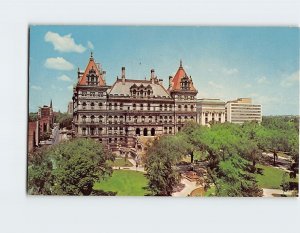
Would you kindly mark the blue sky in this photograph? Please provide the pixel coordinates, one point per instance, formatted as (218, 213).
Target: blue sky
(224, 62)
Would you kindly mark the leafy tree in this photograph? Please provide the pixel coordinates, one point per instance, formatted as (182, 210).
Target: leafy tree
(33, 116)
(69, 168)
(232, 178)
(285, 182)
(160, 163)
(64, 120)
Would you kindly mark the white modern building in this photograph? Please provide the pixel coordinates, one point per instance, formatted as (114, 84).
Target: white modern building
(210, 110)
(243, 110)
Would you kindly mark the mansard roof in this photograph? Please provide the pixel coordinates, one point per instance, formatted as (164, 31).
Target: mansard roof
(124, 88)
(92, 66)
(180, 74)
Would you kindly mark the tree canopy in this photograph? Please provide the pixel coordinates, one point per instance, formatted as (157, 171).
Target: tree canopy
(69, 168)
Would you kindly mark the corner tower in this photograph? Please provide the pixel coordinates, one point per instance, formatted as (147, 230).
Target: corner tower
(182, 90)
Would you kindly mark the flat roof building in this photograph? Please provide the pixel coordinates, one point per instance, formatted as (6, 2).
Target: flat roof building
(242, 110)
(210, 110)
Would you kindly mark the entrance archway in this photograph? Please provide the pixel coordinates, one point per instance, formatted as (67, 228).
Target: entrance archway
(152, 132)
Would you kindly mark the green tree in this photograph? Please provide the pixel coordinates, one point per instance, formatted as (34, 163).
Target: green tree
(285, 182)
(232, 178)
(160, 162)
(69, 168)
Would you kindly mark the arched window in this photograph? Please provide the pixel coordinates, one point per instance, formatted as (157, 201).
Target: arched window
(121, 106)
(92, 119)
(92, 105)
(116, 106)
(100, 105)
(185, 107)
(134, 106)
(138, 131)
(142, 106)
(84, 119)
(109, 106)
(83, 131)
(148, 106)
(179, 107)
(145, 132)
(149, 92)
(152, 132)
(84, 105)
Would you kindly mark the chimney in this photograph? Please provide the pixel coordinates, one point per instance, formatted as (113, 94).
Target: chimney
(123, 75)
(78, 74)
(152, 77)
(170, 81)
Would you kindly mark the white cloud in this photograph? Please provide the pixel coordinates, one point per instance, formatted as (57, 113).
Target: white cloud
(90, 45)
(215, 85)
(64, 78)
(230, 71)
(248, 85)
(262, 80)
(37, 88)
(63, 43)
(291, 80)
(58, 63)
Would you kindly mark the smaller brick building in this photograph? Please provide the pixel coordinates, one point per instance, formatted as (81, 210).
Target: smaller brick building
(33, 135)
(46, 118)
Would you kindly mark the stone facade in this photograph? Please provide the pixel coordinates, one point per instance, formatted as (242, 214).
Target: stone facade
(117, 115)
(210, 110)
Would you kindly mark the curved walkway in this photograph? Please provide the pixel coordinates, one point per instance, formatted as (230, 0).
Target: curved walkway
(269, 192)
(188, 188)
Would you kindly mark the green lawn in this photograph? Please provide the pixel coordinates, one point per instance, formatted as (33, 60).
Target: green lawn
(125, 183)
(271, 177)
(120, 162)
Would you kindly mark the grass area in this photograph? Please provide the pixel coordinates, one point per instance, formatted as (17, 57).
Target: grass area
(125, 183)
(271, 177)
(120, 162)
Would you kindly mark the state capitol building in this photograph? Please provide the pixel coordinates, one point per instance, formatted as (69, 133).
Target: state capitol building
(118, 114)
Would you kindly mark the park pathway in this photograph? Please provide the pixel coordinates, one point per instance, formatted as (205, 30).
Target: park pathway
(188, 188)
(269, 192)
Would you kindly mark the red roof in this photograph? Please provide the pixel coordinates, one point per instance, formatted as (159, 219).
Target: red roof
(91, 64)
(177, 79)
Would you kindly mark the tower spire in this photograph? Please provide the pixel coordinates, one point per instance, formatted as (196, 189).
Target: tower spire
(180, 63)
(51, 103)
(91, 58)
